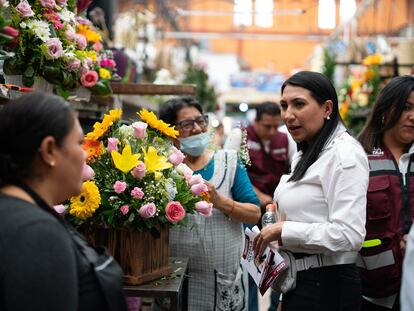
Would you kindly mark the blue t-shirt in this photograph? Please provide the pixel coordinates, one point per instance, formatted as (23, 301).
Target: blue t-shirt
(242, 189)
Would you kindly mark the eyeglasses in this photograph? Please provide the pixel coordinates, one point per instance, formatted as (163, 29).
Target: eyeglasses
(188, 125)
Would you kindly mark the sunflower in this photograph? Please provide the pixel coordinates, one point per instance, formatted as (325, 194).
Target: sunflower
(152, 120)
(85, 204)
(101, 128)
(90, 35)
(93, 148)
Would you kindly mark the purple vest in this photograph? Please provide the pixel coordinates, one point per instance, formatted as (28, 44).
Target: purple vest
(389, 214)
(267, 168)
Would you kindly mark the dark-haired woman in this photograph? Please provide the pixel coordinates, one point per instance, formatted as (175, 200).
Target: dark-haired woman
(44, 263)
(388, 138)
(214, 244)
(322, 202)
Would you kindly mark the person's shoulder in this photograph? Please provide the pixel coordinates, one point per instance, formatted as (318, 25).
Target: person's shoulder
(348, 150)
(17, 214)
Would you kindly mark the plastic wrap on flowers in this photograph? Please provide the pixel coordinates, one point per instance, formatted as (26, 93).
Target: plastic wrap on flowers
(139, 188)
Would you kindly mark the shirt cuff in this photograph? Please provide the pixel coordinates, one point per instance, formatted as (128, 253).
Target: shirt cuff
(293, 233)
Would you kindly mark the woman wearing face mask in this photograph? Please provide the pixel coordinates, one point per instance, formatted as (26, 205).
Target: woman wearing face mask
(214, 244)
(322, 202)
(388, 138)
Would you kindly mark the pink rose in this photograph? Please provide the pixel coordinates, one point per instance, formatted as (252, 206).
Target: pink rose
(139, 129)
(124, 209)
(119, 186)
(204, 208)
(80, 41)
(89, 79)
(24, 9)
(174, 212)
(147, 210)
(198, 189)
(195, 179)
(176, 157)
(183, 169)
(70, 35)
(137, 193)
(112, 144)
(60, 209)
(54, 48)
(62, 2)
(107, 62)
(97, 46)
(87, 172)
(51, 4)
(73, 64)
(139, 171)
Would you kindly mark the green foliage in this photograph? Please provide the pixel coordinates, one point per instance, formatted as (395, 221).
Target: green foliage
(329, 60)
(205, 93)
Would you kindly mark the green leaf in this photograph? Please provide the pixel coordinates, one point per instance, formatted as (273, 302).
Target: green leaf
(101, 88)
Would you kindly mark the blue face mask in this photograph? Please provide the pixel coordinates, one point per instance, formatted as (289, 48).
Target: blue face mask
(194, 145)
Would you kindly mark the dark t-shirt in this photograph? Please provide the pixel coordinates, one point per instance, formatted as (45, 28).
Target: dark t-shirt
(40, 268)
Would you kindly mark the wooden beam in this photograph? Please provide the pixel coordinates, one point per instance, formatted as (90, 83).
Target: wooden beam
(153, 89)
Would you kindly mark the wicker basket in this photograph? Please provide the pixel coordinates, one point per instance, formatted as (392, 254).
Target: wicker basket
(142, 257)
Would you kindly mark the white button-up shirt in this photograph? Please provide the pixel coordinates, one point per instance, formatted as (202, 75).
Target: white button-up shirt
(325, 210)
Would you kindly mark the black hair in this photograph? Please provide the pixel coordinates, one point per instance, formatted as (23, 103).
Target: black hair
(321, 89)
(25, 122)
(169, 110)
(386, 111)
(268, 107)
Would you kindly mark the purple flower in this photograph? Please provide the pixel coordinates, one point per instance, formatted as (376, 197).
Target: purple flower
(80, 41)
(54, 48)
(124, 209)
(139, 129)
(24, 9)
(139, 171)
(176, 157)
(119, 186)
(73, 64)
(112, 144)
(147, 210)
(51, 4)
(137, 193)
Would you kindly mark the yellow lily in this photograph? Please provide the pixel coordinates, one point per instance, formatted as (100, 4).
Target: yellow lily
(154, 162)
(125, 161)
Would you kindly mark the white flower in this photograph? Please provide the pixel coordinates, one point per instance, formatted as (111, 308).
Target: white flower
(67, 16)
(171, 189)
(40, 29)
(126, 131)
(23, 25)
(183, 169)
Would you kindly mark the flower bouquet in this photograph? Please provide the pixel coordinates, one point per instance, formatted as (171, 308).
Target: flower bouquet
(138, 180)
(57, 45)
(138, 187)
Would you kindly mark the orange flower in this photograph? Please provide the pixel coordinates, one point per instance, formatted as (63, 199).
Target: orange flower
(93, 149)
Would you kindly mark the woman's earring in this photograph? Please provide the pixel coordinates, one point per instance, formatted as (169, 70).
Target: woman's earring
(382, 120)
(52, 164)
(328, 118)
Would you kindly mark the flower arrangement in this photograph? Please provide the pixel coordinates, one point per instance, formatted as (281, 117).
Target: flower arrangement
(359, 93)
(137, 178)
(59, 46)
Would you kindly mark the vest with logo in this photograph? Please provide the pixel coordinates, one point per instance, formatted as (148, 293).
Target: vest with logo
(389, 217)
(267, 167)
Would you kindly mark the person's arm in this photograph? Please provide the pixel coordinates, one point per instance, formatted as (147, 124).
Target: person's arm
(244, 206)
(263, 197)
(41, 270)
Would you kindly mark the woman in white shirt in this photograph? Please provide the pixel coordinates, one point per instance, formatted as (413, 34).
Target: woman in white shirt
(322, 202)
